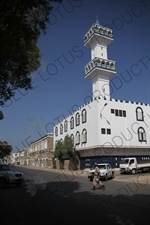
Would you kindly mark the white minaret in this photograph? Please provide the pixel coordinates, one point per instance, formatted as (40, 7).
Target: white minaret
(100, 68)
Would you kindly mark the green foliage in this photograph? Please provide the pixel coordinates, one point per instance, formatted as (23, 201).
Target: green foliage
(74, 162)
(54, 163)
(21, 24)
(1, 115)
(59, 150)
(5, 149)
(59, 153)
(68, 146)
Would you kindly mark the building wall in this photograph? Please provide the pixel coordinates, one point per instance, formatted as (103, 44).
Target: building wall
(123, 138)
(123, 129)
(40, 152)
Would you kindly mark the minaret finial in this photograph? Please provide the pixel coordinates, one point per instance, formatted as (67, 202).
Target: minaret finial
(97, 21)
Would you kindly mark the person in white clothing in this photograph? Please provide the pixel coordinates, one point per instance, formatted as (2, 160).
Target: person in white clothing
(96, 179)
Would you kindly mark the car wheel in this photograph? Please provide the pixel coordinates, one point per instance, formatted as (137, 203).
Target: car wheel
(3, 182)
(91, 179)
(133, 171)
(106, 177)
(18, 184)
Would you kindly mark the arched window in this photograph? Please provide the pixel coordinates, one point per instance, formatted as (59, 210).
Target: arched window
(101, 30)
(84, 116)
(103, 64)
(77, 138)
(141, 134)
(109, 33)
(139, 114)
(72, 123)
(77, 118)
(65, 125)
(61, 129)
(72, 136)
(84, 136)
(105, 32)
(56, 131)
(108, 65)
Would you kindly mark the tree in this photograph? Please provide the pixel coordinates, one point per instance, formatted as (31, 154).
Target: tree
(5, 149)
(21, 24)
(66, 148)
(70, 151)
(1, 115)
(59, 153)
(69, 146)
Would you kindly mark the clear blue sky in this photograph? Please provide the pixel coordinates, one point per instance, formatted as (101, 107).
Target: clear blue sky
(59, 83)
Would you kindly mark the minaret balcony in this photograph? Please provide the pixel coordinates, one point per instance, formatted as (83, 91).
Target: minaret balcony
(108, 67)
(98, 31)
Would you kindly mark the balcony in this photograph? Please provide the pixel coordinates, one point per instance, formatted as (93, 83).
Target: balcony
(108, 66)
(98, 30)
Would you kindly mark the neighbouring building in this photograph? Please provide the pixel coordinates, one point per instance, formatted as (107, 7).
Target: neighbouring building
(13, 158)
(23, 157)
(40, 152)
(105, 129)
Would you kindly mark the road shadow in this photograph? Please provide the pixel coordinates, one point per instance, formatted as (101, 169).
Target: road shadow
(63, 202)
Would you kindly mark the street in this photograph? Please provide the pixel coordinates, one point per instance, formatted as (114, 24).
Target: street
(48, 197)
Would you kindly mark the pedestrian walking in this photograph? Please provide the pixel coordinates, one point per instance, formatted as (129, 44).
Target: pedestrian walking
(96, 178)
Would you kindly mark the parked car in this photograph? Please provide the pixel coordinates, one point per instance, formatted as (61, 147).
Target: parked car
(105, 171)
(8, 176)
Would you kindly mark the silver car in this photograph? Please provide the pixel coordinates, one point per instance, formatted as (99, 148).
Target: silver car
(8, 176)
(106, 171)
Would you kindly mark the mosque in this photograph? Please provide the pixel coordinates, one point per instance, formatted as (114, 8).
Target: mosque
(105, 129)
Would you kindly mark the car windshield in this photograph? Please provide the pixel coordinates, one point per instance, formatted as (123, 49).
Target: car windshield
(4, 168)
(102, 166)
(125, 161)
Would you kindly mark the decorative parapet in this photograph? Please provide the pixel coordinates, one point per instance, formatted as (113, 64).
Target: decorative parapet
(100, 63)
(98, 30)
(129, 102)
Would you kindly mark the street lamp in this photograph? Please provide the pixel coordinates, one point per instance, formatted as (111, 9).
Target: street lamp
(102, 110)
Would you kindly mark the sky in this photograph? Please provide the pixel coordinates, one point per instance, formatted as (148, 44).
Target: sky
(59, 83)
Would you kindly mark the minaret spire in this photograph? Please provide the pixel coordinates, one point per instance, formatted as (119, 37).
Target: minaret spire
(97, 21)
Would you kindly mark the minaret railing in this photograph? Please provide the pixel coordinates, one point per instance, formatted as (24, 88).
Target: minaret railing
(100, 63)
(98, 30)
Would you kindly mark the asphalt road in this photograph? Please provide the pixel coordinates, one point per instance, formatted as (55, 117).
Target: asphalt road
(65, 198)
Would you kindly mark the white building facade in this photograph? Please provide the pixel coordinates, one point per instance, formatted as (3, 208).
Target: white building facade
(104, 129)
